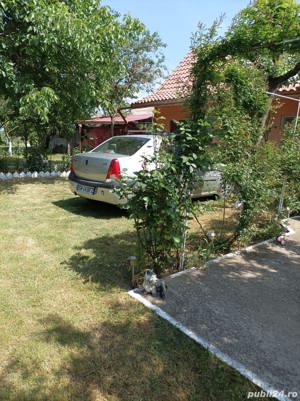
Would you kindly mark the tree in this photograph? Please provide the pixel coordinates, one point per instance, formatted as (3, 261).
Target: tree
(136, 64)
(264, 36)
(52, 63)
(56, 60)
(267, 33)
(6, 123)
(233, 75)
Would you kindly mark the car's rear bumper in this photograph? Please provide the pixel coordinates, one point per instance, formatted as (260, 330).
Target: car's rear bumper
(104, 190)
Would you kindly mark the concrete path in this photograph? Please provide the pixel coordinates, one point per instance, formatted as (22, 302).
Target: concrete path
(247, 309)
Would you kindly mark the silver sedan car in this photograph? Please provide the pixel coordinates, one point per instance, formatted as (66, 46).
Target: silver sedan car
(95, 174)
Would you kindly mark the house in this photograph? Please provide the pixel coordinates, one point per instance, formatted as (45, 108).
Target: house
(287, 107)
(170, 100)
(94, 131)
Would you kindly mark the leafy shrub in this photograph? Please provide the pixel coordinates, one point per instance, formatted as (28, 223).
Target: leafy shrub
(3, 151)
(59, 149)
(159, 202)
(3, 164)
(35, 157)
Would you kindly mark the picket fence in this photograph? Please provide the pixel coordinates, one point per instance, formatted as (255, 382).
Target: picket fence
(35, 174)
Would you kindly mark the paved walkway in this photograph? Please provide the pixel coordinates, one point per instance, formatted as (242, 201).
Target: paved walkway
(247, 308)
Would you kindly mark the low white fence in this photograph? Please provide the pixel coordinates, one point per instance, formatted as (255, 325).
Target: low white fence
(35, 174)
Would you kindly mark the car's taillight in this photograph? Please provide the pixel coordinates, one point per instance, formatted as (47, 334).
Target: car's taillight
(72, 165)
(114, 171)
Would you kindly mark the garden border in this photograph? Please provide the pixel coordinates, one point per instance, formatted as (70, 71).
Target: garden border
(34, 175)
(136, 294)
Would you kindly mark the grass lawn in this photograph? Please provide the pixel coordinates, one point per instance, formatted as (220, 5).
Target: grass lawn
(68, 330)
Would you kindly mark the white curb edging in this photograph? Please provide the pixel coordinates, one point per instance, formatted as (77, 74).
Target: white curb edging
(182, 272)
(136, 294)
(210, 347)
(35, 174)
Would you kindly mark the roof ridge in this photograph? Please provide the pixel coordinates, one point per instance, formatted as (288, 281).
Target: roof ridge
(177, 85)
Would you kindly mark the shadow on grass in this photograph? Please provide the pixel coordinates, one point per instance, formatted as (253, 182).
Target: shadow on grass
(62, 332)
(131, 357)
(103, 260)
(86, 208)
(32, 384)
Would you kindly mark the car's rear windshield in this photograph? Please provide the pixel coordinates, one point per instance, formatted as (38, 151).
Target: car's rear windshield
(126, 146)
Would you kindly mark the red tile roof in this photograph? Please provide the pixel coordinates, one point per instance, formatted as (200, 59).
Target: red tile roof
(177, 86)
(179, 83)
(290, 89)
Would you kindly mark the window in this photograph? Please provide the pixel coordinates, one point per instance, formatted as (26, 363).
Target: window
(287, 120)
(126, 146)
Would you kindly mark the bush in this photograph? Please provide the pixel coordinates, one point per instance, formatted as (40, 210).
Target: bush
(3, 151)
(3, 165)
(59, 149)
(35, 157)
(159, 202)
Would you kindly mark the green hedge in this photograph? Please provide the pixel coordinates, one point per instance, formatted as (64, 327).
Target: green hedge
(12, 164)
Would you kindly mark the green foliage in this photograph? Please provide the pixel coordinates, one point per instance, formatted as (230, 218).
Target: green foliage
(264, 36)
(246, 86)
(7, 123)
(266, 30)
(259, 52)
(159, 198)
(48, 59)
(136, 63)
(61, 60)
(37, 104)
(35, 157)
(290, 167)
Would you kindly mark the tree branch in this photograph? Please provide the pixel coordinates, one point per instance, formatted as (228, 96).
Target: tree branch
(274, 82)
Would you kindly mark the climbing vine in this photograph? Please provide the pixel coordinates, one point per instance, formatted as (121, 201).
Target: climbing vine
(233, 75)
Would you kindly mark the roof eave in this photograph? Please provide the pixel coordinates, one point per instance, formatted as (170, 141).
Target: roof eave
(158, 103)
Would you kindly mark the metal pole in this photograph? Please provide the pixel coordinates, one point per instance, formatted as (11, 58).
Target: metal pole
(297, 115)
(282, 96)
(182, 255)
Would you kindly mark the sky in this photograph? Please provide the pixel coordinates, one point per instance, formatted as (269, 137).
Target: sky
(176, 20)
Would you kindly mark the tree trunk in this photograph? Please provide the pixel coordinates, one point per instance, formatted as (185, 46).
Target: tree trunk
(25, 143)
(10, 149)
(264, 121)
(272, 88)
